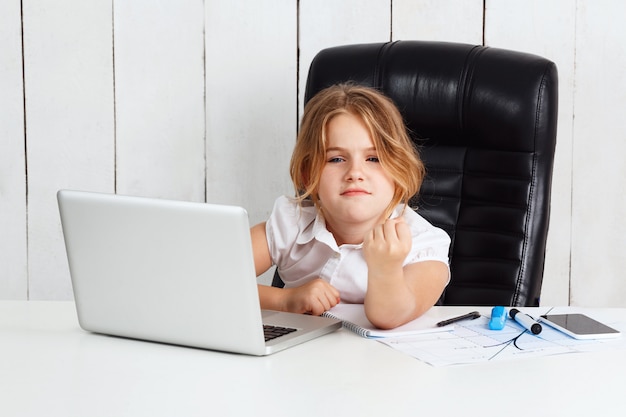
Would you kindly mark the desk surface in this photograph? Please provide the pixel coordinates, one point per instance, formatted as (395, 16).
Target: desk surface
(50, 367)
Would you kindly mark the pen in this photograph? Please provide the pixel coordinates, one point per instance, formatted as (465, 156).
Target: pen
(525, 321)
(469, 316)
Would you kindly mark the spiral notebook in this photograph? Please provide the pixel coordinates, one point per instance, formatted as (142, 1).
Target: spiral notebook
(354, 319)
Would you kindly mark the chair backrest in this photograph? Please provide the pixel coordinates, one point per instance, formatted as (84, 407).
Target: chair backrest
(484, 120)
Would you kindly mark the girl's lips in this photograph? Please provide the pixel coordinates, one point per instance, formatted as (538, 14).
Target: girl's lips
(354, 191)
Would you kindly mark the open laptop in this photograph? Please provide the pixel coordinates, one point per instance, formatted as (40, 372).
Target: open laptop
(173, 272)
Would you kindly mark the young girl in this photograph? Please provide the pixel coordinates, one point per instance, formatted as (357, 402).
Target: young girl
(348, 235)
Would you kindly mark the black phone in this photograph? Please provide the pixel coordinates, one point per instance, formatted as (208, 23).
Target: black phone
(579, 326)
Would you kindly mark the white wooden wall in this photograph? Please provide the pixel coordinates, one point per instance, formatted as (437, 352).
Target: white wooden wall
(199, 100)
(13, 261)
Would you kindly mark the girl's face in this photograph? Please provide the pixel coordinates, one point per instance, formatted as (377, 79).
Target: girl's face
(354, 189)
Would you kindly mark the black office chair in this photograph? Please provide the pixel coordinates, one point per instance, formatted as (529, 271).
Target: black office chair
(485, 121)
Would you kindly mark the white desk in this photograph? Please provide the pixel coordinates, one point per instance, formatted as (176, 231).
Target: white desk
(50, 367)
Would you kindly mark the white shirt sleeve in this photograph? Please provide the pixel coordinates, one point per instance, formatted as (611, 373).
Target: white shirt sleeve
(285, 225)
(430, 243)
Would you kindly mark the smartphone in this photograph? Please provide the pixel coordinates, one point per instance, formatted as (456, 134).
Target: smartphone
(579, 326)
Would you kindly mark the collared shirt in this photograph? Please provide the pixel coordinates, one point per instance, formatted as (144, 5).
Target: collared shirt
(303, 249)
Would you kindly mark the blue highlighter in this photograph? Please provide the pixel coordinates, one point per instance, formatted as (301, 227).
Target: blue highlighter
(498, 318)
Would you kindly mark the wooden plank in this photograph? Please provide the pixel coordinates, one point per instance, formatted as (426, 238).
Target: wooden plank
(69, 123)
(546, 29)
(439, 20)
(326, 23)
(13, 267)
(159, 98)
(251, 56)
(599, 171)
(251, 96)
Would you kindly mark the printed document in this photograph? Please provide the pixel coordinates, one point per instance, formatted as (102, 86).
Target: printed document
(471, 342)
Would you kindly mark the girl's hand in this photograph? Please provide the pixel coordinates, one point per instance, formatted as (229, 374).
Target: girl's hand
(386, 247)
(314, 297)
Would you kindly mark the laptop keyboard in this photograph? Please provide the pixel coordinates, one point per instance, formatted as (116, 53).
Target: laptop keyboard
(272, 332)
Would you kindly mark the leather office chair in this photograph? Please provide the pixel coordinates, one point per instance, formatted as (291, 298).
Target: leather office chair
(484, 120)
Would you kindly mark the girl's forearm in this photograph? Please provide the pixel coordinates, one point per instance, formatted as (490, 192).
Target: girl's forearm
(389, 301)
(271, 298)
(401, 295)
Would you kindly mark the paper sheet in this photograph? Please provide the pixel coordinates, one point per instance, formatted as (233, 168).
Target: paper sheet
(472, 342)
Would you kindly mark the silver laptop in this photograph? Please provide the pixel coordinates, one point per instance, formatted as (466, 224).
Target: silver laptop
(173, 272)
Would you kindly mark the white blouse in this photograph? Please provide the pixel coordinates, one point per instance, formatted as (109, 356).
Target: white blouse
(303, 249)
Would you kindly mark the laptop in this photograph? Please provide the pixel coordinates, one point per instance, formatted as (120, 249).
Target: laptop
(174, 272)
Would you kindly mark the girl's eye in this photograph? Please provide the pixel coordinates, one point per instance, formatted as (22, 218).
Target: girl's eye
(372, 159)
(335, 159)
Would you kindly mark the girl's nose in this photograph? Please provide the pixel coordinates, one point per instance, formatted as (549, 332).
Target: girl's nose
(355, 171)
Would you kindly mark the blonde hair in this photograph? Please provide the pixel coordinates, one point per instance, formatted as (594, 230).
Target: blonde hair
(396, 152)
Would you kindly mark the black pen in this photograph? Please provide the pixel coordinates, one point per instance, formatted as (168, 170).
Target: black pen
(469, 316)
